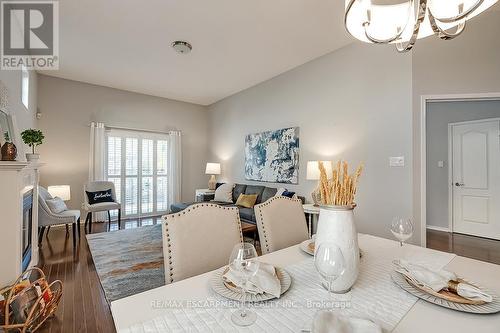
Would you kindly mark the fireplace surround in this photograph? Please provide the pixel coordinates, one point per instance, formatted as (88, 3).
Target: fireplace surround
(27, 229)
(18, 218)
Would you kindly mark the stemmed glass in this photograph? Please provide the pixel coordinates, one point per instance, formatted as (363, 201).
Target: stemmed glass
(330, 263)
(244, 265)
(402, 229)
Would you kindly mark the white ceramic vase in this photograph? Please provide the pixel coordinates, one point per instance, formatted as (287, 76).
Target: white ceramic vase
(336, 225)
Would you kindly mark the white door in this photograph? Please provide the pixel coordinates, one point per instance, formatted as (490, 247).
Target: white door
(476, 178)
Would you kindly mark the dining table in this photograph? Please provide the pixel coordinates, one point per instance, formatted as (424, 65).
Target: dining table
(192, 305)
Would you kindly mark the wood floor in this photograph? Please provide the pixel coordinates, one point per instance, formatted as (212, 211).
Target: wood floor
(463, 245)
(83, 307)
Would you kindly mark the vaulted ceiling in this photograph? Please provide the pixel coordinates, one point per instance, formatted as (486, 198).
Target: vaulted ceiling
(125, 44)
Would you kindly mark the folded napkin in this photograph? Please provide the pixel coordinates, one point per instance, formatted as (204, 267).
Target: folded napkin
(329, 322)
(441, 279)
(264, 281)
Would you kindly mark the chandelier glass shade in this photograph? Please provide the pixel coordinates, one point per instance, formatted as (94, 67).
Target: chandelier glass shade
(402, 22)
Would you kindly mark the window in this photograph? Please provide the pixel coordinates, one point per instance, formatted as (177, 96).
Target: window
(25, 87)
(136, 162)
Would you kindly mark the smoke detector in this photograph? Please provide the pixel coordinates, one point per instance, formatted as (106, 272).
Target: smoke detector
(182, 47)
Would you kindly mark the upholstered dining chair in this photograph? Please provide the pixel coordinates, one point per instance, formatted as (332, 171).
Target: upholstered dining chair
(47, 218)
(199, 239)
(102, 206)
(281, 223)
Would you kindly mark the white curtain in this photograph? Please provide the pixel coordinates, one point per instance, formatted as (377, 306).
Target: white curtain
(174, 167)
(97, 156)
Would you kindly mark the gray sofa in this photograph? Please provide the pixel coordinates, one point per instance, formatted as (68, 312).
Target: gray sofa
(246, 214)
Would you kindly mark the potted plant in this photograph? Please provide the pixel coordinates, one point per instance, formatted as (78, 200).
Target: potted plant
(32, 138)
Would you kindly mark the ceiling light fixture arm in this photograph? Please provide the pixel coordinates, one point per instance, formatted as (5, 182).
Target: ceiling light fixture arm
(462, 14)
(442, 33)
(407, 46)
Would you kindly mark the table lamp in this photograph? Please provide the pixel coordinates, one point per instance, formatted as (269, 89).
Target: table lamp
(61, 191)
(312, 173)
(212, 169)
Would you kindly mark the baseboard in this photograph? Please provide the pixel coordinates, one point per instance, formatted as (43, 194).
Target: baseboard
(431, 227)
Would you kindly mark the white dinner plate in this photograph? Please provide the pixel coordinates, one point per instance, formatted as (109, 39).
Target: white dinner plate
(492, 307)
(222, 289)
(304, 246)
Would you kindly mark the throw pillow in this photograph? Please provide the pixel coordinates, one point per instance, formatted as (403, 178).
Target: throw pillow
(99, 196)
(246, 200)
(280, 191)
(217, 185)
(288, 194)
(56, 205)
(224, 193)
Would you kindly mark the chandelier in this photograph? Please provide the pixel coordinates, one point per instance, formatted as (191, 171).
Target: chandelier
(402, 22)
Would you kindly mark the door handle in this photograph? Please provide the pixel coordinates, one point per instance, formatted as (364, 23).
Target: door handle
(459, 184)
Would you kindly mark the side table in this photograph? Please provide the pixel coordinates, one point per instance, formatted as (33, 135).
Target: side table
(311, 212)
(204, 194)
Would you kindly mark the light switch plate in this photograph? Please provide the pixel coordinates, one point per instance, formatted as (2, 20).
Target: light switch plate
(397, 161)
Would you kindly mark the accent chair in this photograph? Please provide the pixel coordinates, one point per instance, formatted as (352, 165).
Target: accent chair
(100, 207)
(46, 218)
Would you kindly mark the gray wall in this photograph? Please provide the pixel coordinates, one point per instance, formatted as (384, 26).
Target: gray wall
(439, 115)
(353, 103)
(465, 65)
(68, 107)
(346, 108)
(25, 118)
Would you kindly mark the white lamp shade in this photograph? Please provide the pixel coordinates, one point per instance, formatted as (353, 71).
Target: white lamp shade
(312, 169)
(387, 15)
(61, 191)
(212, 169)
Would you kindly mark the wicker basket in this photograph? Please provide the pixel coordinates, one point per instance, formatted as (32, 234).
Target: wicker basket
(40, 309)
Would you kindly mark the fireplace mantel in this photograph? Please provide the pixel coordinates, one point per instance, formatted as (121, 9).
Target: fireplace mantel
(16, 179)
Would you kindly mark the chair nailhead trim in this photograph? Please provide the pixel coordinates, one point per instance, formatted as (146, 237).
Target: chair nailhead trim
(190, 208)
(267, 203)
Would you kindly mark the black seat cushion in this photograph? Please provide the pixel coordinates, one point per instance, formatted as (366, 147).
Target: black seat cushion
(255, 189)
(247, 214)
(237, 190)
(268, 193)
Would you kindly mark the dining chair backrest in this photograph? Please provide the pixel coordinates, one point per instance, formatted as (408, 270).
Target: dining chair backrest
(281, 223)
(44, 195)
(99, 186)
(199, 239)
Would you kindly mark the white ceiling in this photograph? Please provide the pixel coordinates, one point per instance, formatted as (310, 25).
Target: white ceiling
(125, 44)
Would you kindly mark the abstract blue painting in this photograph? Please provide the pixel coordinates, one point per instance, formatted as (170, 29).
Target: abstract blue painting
(273, 156)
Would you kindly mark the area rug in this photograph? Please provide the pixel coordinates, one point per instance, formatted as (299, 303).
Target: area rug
(128, 261)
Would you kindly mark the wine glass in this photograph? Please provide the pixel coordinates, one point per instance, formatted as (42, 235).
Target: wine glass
(402, 229)
(243, 265)
(330, 263)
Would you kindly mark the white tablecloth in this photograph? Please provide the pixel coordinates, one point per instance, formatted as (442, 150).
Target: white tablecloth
(374, 296)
